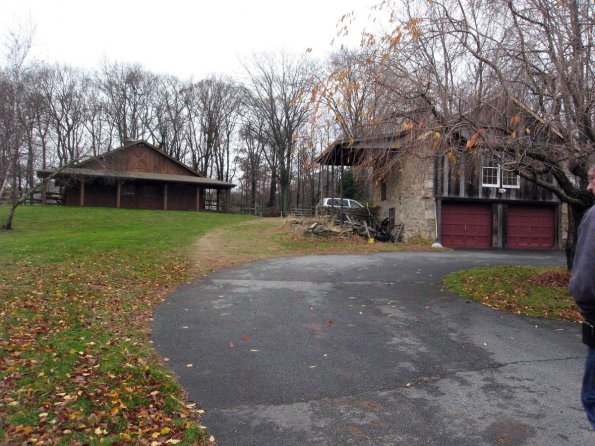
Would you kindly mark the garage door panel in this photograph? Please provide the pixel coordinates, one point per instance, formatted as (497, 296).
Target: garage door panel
(531, 227)
(466, 225)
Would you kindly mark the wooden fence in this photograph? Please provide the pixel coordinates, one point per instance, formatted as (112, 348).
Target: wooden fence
(51, 197)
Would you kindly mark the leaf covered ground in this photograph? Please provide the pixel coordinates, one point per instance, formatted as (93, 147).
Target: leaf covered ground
(78, 289)
(533, 291)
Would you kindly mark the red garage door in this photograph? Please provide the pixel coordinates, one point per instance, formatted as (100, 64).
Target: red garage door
(531, 227)
(466, 225)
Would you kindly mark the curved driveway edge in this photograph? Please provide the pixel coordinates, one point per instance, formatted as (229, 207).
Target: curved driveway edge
(371, 349)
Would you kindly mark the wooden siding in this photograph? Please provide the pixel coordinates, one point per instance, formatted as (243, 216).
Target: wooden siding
(181, 197)
(134, 195)
(461, 178)
(136, 158)
(96, 194)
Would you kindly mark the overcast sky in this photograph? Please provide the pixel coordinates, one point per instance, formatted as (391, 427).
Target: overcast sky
(189, 38)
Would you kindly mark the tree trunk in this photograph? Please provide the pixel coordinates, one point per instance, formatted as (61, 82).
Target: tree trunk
(253, 193)
(285, 199)
(8, 225)
(273, 189)
(284, 183)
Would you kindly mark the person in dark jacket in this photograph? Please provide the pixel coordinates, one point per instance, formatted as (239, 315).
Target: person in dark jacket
(582, 288)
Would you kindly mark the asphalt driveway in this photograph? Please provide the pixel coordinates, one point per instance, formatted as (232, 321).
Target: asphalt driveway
(371, 350)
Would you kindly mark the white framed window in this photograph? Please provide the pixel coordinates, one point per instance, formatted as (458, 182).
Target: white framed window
(509, 179)
(494, 175)
(490, 173)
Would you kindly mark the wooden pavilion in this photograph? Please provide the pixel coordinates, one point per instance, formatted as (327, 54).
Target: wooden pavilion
(138, 176)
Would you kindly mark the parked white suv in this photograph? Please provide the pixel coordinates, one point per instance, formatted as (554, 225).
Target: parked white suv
(336, 202)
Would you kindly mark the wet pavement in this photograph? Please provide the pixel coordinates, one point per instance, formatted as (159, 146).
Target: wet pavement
(371, 350)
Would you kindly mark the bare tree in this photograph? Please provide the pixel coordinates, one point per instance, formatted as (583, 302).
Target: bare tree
(13, 135)
(170, 114)
(99, 126)
(349, 91)
(128, 91)
(64, 99)
(469, 71)
(281, 89)
(545, 60)
(213, 113)
(251, 154)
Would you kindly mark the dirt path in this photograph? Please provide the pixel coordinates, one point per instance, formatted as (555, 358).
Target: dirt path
(266, 238)
(245, 242)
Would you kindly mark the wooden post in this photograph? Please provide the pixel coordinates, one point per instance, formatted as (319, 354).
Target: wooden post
(44, 193)
(82, 198)
(227, 200)
(197, 198)
(218, 200)
(165, 197)
(118, 194)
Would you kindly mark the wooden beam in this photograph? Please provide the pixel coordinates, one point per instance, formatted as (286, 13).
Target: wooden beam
(44, 193)
(165, 197)
(82, 197)
(118, 194)
(227, 200)
(197, 198)
(499, 216)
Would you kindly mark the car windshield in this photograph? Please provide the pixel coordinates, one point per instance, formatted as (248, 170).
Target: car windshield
(347, 203)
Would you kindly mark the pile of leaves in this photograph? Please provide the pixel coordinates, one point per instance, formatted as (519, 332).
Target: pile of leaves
(555, 278)
(533, 291)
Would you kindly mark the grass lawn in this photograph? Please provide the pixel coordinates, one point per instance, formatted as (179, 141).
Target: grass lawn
(78, 288)
(534, 291)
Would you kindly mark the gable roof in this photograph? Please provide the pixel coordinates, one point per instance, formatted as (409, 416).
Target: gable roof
(115, 152)
(350, 152)
(121, 175)
(87, 169)
(504, 101)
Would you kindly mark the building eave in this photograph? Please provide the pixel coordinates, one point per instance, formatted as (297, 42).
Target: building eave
(135, 176)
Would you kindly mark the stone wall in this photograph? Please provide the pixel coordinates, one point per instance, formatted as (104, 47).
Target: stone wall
(410, 190)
